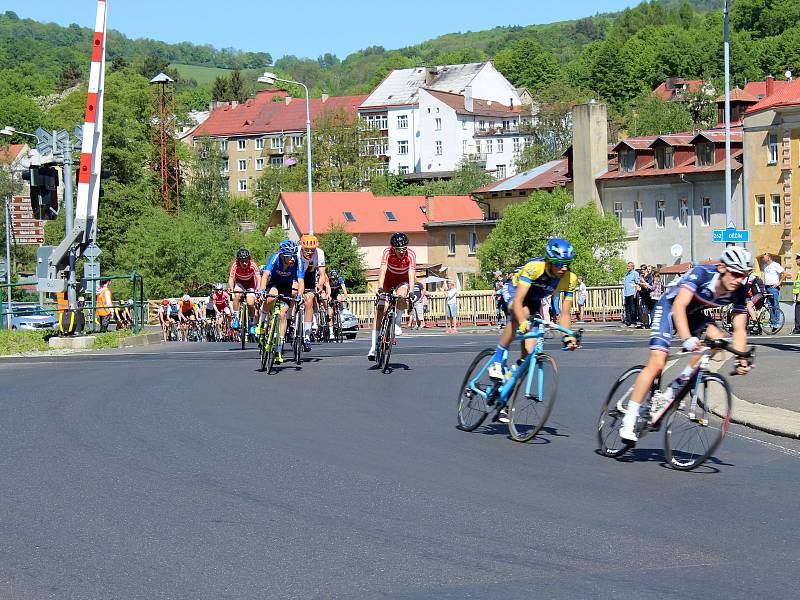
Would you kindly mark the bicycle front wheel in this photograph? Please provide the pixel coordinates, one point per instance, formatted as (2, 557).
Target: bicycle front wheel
(387, 336)
(767, 325)
(476, 390)
(612, 413)
(297, 344)
(243, 324)
(696, 426)
(533, 398)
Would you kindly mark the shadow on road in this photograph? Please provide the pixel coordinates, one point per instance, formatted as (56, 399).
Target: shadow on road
(392, 367)
(657, 455)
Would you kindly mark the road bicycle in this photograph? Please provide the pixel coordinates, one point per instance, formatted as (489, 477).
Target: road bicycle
(336, 321)
(172, 332)
(243, 332)
(761, 324)
(294, 331)
(695, 419)
(386, 334)
(527, 391)
(269, 340)
(322, 319)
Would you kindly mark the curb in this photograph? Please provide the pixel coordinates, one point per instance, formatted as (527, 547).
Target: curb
(146, 339)
(769, 419)
(611, 330)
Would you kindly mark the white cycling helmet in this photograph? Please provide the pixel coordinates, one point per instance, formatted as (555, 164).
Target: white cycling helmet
(737, 259)
(173, 301)
(186, 297)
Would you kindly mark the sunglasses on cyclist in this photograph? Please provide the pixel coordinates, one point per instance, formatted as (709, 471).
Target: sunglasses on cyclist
(736, 275)
(561, 264)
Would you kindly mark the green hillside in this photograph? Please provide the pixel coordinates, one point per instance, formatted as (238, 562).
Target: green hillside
(205, 76)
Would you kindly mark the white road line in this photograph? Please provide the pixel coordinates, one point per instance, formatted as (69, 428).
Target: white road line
(778, 447)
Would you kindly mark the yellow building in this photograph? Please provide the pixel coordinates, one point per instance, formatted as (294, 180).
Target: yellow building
(771, 171)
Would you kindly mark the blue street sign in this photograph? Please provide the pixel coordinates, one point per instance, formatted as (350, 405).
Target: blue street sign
(731, 236)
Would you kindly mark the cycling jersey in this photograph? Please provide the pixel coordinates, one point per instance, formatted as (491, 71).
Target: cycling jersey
(187, 308)
(173, 311)
(246, 276)
(397, 268)
(336, 283)
(281, 274)
(534, 274)
(220, 301)
(317, 259)
(756, 286)
(702, 281)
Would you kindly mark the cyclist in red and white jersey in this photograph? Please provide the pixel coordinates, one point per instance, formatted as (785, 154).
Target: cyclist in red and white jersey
(244, 275)
(397, 275)
(218, 305)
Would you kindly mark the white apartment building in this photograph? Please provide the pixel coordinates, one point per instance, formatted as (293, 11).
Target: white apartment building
(428, 119)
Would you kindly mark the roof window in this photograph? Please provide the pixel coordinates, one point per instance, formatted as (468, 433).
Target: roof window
(389, 215)
(348, 216)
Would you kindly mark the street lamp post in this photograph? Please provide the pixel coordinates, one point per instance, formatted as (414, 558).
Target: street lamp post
(727, 49)
(269, 79)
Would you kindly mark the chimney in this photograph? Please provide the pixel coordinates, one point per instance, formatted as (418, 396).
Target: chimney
(325, 97)
(288, 100)
(770, 85)
(589, 150)
(429, 206)
(430, 75)
(469, 105)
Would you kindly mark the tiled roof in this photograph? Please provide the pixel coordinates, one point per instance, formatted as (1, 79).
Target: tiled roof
(637, 143)
(718, 135)
(401, 86)
(369, 211)
(678, 139)
(759, 88)
(8, 154)
(480, 107)
(692, 85)
(262, 114)
(786, 95)
(685, 168)
(739, 95)
(544, 177)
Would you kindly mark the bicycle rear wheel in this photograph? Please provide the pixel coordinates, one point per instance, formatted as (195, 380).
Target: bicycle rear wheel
(765, 320)
(533, 398)
(612, 413)
(387, 339)
(695, 431)
(243, 323)
(476, 388)
(297, 344)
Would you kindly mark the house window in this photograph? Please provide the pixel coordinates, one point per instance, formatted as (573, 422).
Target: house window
(241, 144)
(773, 148)
(705, 212)
(259, 164)
(225, 166)
(223, 145)
(389, 215)
(260, 144)
(627, 160)
(776, 209)
(481, 124)
(438, 147)
(661, 213)
(683, 215)
(286, 220)
(664, 156)
(464, 144)
(705, 154)
(477, 146)
(403, 169)
(297, 141)
(242, 165)
(242, 185)
(618, 211)
(438, 124)
(275, 161)
(500, 145)
(402, 147)
(276, 143)
(451, 243)
(473, 242)
(402, 121)
(517, 143)
(348, 216)
(489, 145)
(501, 171)
(761, 210)
(638, 214)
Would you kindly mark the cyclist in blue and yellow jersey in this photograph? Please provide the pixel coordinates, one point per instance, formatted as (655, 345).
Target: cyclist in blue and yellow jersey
(537, 279)
(282, 274)
(681, 309)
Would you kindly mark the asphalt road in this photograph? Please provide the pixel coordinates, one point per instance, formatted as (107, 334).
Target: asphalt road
(182, 472)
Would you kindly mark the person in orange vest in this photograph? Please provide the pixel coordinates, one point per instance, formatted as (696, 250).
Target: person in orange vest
(61, 302)
(105, 304)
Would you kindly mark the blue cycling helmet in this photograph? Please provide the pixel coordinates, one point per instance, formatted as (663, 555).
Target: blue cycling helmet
(560, 251)
(288, 248)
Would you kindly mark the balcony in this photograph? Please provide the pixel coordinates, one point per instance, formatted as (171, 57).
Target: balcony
(479, 158)
(486, 131)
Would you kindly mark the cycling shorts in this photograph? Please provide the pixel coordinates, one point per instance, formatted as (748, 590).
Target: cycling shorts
(662, 327)
(392, 282)
(242, 285)
(284, 289)
(335, 293)
(310, 280)
(210, 313)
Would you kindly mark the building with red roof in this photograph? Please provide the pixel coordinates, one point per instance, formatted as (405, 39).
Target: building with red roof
(267, 130)
(427, 220)
(678, 89)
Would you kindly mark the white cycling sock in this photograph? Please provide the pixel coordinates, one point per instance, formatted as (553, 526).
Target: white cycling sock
(374, 339)
(306, 328)
(630, 416)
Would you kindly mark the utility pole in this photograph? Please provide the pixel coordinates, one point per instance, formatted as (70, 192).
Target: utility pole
(69, 218)
(728, 195)
(8, 259)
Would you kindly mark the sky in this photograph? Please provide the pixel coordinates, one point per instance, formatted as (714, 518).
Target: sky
(307, 28)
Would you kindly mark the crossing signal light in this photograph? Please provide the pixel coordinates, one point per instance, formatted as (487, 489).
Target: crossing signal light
(44, 191)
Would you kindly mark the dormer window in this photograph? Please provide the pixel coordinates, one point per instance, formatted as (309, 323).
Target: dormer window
(627, 160)
(664, 155)
(705, 154)
(348, 216)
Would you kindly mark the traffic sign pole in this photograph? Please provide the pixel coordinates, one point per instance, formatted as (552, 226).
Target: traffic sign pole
(8, 260)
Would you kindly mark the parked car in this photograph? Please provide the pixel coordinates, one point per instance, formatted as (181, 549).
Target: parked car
(349, 323)
(32, 317)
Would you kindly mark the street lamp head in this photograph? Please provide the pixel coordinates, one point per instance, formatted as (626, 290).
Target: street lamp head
(8, 130)
(268, 78)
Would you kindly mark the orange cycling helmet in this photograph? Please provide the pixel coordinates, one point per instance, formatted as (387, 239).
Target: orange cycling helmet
(309, 242)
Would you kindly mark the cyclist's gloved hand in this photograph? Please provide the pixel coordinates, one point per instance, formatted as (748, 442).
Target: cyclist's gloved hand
(569, 341)
(523, 327)
(743, 366)
(691, 344)
(413, 298)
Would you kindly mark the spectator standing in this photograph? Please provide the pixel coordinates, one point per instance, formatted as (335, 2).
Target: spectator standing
(629, 287)
(658, 286)
(452, 306)
(796, 292)
(646, 303)
(425, 305)
(581, 299)
(418, 309)
(105, 305)
(501, 308)
(774, 274)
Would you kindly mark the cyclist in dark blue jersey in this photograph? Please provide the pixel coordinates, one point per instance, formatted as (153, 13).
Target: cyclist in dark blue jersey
(680, 309)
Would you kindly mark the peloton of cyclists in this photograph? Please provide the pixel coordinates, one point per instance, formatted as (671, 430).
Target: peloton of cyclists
(282, 274)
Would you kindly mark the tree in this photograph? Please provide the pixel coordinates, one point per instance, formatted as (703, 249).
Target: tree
(236, 87)
(152, 65)
(527, 63)
(342, 255)
(525, 229)
(22, 113)
(71, 75)
(207, 193)
(340, 164)
(220, 90)
(549, 136)
(652, 115)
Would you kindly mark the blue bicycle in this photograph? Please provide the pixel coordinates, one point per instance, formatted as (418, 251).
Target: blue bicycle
(527, 393)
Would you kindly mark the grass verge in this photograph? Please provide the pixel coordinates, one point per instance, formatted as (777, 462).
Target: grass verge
(17, 342)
